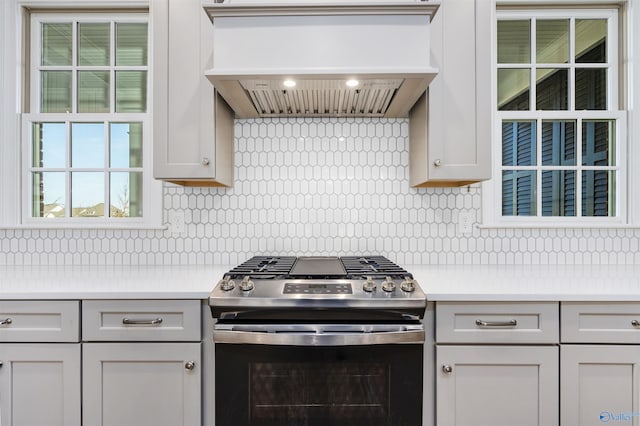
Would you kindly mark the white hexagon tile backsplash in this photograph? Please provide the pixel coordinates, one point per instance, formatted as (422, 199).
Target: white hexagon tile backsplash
(321, 187)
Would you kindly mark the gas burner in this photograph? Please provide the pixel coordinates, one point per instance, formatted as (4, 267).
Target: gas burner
(372, 266)
(266, 267)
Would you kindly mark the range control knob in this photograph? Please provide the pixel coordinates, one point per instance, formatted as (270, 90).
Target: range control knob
(246, 284)
(388, 285)
(227, 284)
(369, 286)
(408, 285)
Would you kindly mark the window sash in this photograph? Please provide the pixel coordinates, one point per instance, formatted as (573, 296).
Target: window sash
(149, 201)
(35, 83)
(619, 167)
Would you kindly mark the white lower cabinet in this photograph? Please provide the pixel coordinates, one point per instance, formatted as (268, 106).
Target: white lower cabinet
(600, 363)
(139, 363)
(141, 384)
(496, 385)
(40, 384)
(599, 384)
(497, 364)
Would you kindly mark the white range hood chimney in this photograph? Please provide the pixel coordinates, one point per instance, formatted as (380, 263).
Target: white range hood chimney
(315, 58)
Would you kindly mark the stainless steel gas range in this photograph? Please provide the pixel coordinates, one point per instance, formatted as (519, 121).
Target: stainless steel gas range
(318, 341)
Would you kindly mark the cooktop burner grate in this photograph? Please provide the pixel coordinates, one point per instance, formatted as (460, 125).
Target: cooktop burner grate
(264, 266)
(282, 267)
(371, 266)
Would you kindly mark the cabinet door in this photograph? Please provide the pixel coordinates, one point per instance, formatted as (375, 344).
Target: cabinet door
(141, 384)
(497, 386)
(193, 126)
(40, 384)
(599, 384)
(450, 127)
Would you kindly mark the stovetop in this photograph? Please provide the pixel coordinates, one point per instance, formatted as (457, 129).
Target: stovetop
(295, 284)
(315, 267)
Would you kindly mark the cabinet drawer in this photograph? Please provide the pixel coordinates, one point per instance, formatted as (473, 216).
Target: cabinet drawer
(39, 321)
(146, 320)
(493, 322)
(598, 322)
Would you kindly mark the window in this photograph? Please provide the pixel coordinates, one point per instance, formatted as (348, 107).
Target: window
(86, 141)
(560, 132)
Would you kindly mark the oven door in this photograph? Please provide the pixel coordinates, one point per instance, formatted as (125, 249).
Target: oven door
(318, 374)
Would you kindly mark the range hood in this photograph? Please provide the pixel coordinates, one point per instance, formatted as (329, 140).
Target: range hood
(315, 58)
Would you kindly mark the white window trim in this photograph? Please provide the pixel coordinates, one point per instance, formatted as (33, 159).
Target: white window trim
(628, 125)
(12, 210)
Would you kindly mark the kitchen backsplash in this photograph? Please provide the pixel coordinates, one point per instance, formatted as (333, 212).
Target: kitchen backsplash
(320, 187)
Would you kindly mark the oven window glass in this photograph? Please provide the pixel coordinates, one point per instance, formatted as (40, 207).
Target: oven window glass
(298, 391)
(373, 385)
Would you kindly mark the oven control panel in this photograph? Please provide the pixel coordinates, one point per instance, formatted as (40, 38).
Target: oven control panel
(317, 288)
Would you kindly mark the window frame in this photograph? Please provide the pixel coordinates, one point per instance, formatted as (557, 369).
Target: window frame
(626, 212)
(151, 189)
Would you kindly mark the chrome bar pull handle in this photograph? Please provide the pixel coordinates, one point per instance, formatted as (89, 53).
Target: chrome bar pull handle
(129, 321)
(510, 323)
(447, 369)
(6, 321)
(635, 323)
(190, 365)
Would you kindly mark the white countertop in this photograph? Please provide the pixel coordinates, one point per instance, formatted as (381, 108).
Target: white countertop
(440, 283)
(529, 282)
(109, 282)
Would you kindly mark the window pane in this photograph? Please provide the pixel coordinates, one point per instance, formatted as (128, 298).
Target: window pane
(87, 145)
(49, 145)
(598, 143)
(513, 89)
(559, 193)
(126, 194)
(131, 44)
(518, 143)
(598, 193)
(93, 91)
(56, 91)
(131, 91)
(56, 44)
(591, 41)
(591, 88)
(519, 193)
(551, 89)
(558, 143)
(93, 44)
(126, 144)
(552, 41)
(514, 42)
(87, 194)
(48, 194)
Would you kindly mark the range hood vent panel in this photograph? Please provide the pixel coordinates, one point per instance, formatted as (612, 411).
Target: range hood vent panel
(321, 98)
(384, 47)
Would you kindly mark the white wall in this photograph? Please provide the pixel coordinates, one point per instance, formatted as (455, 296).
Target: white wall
(329, 186)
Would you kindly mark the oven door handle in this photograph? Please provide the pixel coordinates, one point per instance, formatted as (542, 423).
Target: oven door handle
(318, 335)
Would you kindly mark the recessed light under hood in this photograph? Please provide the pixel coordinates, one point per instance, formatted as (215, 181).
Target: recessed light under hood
(314, 58)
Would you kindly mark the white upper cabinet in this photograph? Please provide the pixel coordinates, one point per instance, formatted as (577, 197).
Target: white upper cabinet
(192, 125)
(450, 129)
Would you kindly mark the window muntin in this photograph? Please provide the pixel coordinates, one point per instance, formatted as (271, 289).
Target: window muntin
(557, 85)
(87, 138)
